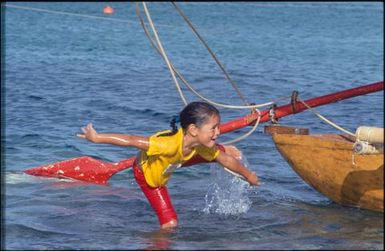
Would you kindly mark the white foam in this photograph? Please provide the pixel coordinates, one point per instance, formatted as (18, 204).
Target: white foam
(228, 194)
(18, 178)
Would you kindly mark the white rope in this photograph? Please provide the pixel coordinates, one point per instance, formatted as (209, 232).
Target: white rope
(247, 134)
(164, 53)
(192, 89)
(173, 70)
(235, 86)
(221, 104)
(326, 120)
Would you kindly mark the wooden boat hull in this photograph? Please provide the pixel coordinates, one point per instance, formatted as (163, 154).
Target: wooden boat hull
(327, 163)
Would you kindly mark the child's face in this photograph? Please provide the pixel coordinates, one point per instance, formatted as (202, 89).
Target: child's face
(209, 131)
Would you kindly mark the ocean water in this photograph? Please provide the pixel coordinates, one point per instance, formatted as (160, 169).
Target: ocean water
(67, 64)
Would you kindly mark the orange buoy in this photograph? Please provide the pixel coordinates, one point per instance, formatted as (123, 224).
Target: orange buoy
(108, 10)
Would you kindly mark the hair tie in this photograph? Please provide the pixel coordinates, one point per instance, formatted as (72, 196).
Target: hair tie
(173, 124)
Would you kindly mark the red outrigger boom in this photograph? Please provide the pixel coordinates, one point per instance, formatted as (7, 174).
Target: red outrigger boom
(297, 106)
(96, 171)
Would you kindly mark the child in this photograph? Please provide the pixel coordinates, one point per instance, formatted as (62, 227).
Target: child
(165, 151)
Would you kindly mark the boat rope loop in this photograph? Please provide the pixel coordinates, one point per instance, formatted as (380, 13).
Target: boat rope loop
(251, 106)
(293, 101)
(326, 120)
(272, 116)
(246, 134)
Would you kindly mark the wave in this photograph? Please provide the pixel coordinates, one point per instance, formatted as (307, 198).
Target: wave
(34, 230)
(31, 136)
(23, 178)
(35, 98)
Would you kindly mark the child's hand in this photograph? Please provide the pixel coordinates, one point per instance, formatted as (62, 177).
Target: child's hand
(253, 179)
(89, 133)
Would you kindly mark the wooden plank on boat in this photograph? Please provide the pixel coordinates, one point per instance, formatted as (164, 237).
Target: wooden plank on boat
(277, 128)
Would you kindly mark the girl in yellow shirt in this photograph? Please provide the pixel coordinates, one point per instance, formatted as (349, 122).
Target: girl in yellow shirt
(163, 152)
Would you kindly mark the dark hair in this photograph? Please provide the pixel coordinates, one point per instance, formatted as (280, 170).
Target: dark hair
(194, 113)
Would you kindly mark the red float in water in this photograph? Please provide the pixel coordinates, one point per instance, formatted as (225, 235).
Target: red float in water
(108, 10)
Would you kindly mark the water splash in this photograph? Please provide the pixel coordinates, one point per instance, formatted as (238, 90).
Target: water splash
(227, 195)
(18, 178)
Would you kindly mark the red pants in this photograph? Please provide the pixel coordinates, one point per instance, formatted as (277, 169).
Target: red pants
(158, 198)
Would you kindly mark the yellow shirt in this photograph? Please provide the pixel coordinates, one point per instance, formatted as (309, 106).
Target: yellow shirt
(165, 154)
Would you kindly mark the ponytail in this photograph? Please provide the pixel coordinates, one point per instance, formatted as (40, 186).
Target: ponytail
(174, 127)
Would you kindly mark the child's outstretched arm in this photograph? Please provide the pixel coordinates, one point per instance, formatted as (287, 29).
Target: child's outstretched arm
(90, 134)
(235, 165)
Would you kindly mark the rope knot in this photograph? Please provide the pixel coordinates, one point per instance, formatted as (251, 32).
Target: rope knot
(272, 117)
(293, 101)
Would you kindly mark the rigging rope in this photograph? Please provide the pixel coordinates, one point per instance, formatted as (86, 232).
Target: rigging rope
(164, 53)
(326, 120)
(211, 53)
(172, 69)
(246, 134)
(190, 87)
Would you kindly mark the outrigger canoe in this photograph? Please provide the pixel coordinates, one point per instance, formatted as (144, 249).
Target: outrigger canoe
(329, 164)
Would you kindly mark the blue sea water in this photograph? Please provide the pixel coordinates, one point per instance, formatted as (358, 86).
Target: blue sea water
(67, 64)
